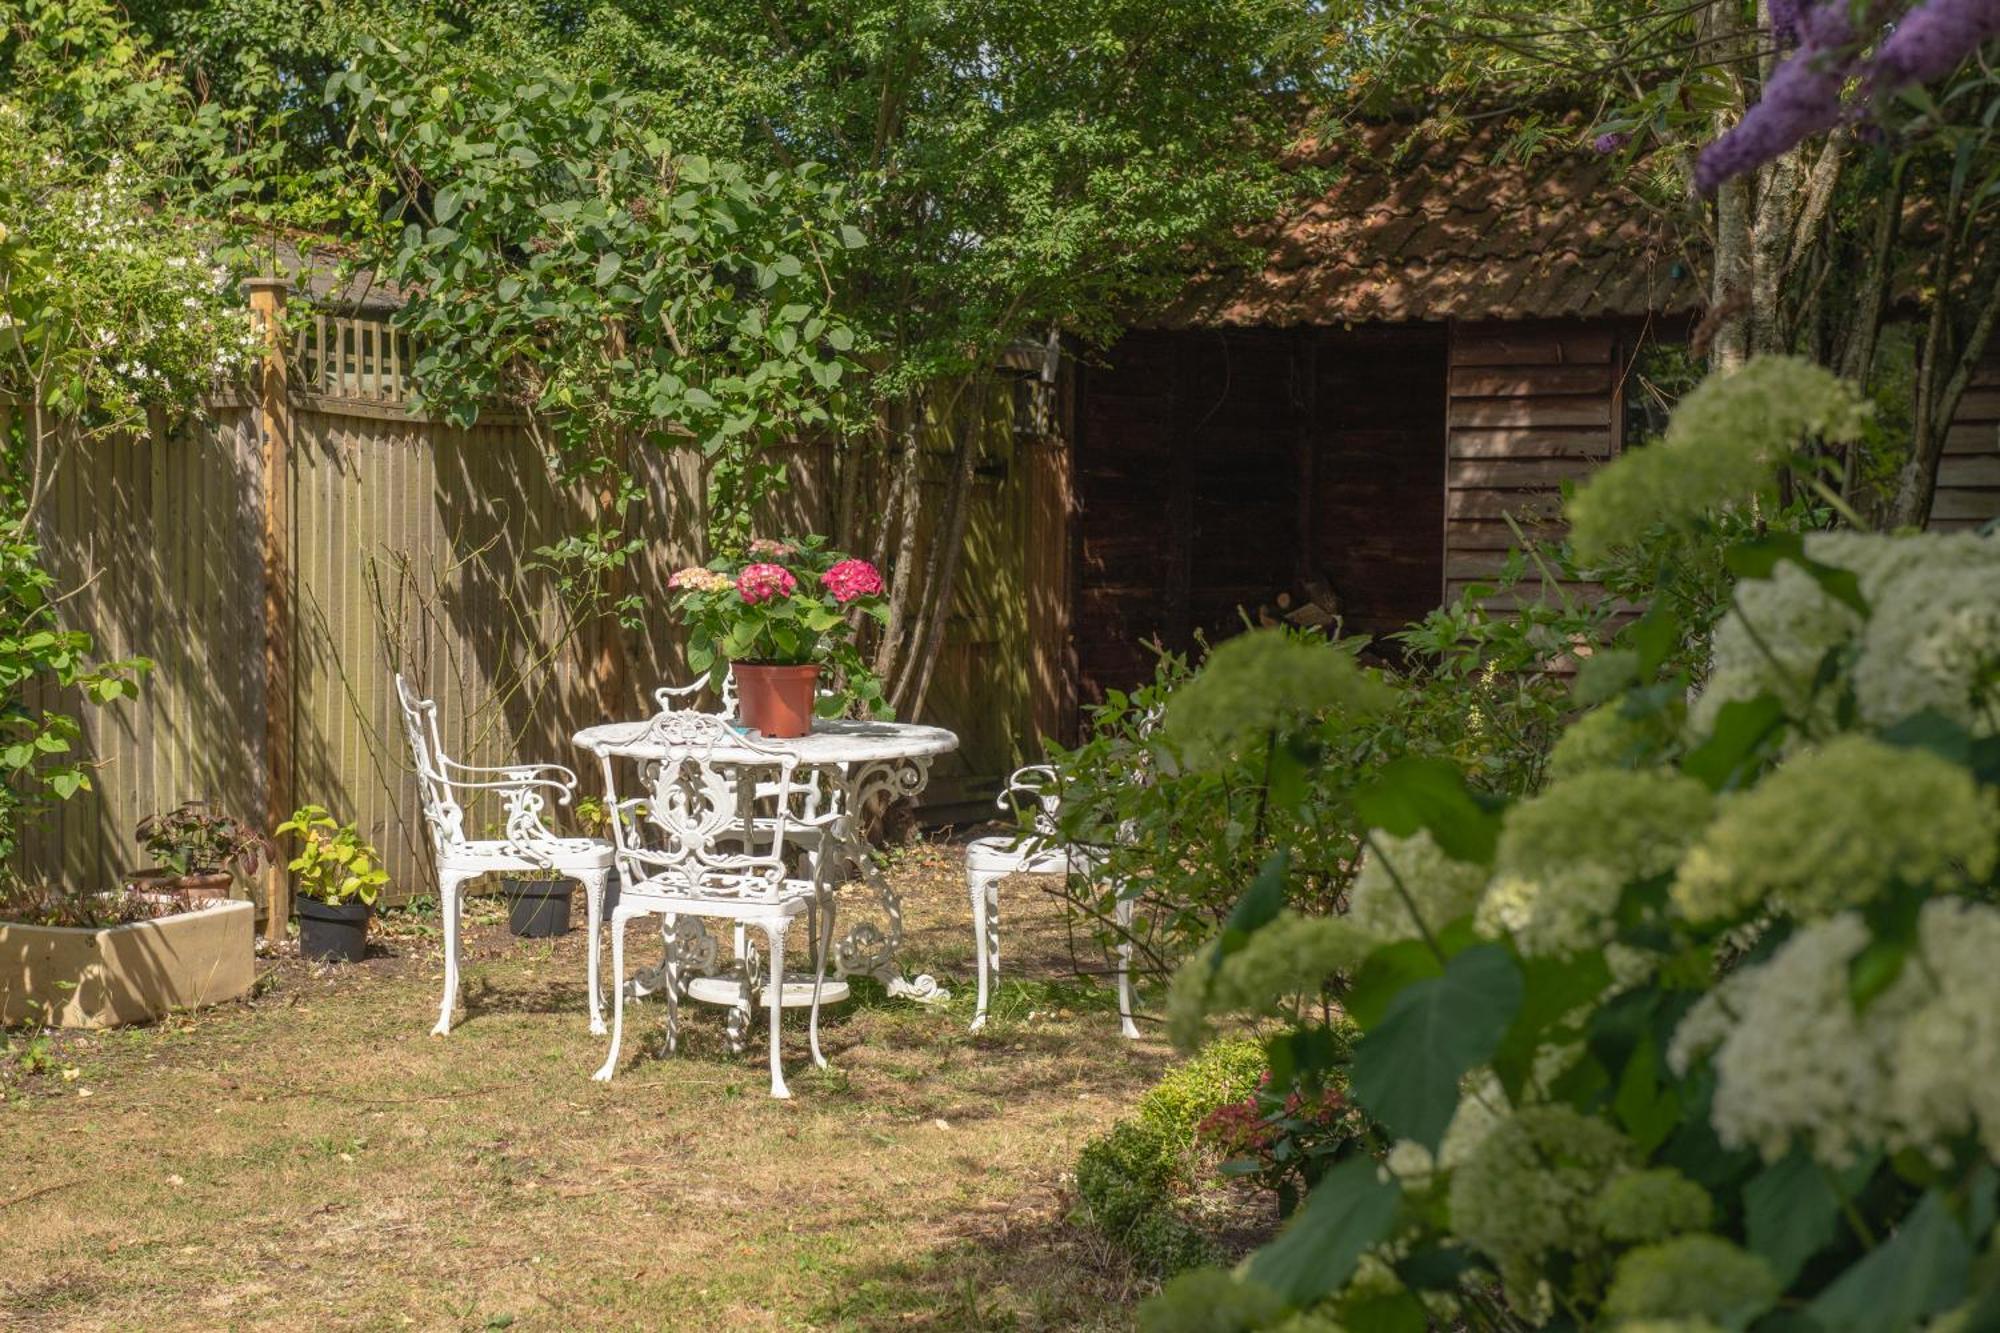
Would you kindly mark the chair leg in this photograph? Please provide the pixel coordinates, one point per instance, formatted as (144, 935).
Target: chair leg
(610, 1065)
(1130, 1028)
(448, 906)
(774, 934)
(824, 947)
(985, 890)
(593, 893)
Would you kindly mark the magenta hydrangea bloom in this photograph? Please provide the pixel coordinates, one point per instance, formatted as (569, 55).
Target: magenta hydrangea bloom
(772, 550)
(760, 583)
(851, 578)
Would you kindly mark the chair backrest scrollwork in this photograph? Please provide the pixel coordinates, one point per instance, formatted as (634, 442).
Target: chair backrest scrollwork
(706, 825)
(442, 812)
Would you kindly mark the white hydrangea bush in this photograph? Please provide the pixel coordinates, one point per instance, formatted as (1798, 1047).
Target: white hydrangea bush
(1706, 1035)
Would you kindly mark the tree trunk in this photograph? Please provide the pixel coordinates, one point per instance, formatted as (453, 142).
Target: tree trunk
(941, 584)
(1944, 372)
(903, 500)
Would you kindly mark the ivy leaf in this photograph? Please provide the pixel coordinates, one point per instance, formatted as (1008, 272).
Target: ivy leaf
(1407, 1069)
(607, 267)
(445, 207)
(1920, 1270)
(1350, 1209)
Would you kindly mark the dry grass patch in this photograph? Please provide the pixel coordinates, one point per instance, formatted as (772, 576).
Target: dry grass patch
(312, 1158)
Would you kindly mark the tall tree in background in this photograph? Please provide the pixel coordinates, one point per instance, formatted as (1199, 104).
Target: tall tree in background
(1015, 168)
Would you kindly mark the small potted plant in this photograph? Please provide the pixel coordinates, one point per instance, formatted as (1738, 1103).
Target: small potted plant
(339, 875)
(781, 617)
(195, 847)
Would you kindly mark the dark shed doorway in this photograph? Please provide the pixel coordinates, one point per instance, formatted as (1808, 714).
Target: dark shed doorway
(1220, 471)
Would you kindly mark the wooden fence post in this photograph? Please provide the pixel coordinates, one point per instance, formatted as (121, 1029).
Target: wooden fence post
(274, 426)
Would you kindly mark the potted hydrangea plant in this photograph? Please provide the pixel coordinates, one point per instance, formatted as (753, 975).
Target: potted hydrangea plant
(339, 875)
(780, 617)
(194, 849)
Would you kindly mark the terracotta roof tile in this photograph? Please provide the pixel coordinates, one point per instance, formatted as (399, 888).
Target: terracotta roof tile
(1426, 230)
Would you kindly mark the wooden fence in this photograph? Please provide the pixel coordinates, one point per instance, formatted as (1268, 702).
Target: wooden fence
(402, 543)
(405, 544)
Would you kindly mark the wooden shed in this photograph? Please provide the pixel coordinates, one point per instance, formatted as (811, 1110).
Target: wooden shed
(1438, 343)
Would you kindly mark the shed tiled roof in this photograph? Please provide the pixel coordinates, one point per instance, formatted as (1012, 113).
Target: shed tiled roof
(1417, 229)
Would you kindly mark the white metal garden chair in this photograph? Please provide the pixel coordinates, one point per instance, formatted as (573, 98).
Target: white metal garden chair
(1038, 851)
(712, 839)
(524, 791)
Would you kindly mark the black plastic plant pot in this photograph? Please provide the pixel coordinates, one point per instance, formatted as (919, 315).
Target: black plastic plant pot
(537, 908)
(338, 932)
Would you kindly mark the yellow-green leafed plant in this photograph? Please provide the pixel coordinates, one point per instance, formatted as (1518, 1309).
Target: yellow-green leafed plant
(335, 864)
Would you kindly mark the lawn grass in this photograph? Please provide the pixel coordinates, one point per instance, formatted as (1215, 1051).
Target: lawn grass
(313, 1159)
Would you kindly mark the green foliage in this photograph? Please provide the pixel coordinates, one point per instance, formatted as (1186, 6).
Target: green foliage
(1131, 1178)
(193, 839)
(335, 863)
(1742, 1080)
(565, 253)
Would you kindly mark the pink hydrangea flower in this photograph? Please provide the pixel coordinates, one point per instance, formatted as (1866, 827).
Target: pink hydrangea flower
(772, 550)
(760, 583)
(850, 578)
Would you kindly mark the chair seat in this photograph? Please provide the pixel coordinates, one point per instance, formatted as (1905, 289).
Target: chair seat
(735, 898)
(1011, 856)
(495, 854)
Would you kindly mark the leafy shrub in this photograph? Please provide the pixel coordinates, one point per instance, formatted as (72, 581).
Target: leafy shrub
(1712, 1048)
(1130, 1178)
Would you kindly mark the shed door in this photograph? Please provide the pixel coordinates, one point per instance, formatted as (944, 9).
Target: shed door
(1219, 469)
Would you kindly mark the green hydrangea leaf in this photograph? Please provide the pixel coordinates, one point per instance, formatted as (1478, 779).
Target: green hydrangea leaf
(1351, 1209)
(1791, 1211)
(1407, 1069)
(1431, 794)
(1917, 1272)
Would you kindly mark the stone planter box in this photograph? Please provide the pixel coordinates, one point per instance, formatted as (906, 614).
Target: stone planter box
(126, 974)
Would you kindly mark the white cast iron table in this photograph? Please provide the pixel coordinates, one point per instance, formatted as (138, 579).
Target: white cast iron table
(866, 761)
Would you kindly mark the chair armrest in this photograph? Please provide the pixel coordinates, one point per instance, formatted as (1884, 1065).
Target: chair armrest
(555, 773)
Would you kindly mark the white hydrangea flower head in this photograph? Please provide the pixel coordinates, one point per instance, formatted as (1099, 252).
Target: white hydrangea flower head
(1526, 1190)
(1565, 856)
(1444, 889)
(1651, 1205)
(1839, 826)
(1947, 1052)
(1691, 1277)
(1723, 446)
(1793, 1059)
(1878, 561)
(1291, 954)
(1934, 642)
(1601, 738)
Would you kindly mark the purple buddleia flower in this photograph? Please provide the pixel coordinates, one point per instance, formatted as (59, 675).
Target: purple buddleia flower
(1802, 99)
(1785, 22)
(1611, 143)
(1931, 40)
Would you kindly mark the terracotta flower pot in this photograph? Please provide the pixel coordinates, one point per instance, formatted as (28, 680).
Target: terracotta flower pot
(776, 701)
